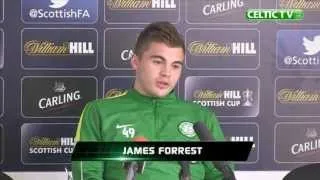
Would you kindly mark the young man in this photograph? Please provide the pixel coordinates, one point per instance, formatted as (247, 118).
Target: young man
(150, 109)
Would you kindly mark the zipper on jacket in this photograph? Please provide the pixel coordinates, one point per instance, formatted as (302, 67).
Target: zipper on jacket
(156, 121)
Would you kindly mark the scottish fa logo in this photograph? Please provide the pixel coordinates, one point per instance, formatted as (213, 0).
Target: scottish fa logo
(58, 3)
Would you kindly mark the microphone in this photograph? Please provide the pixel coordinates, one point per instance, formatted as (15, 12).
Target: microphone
(185, 170)
(204, 135)
(135, 167)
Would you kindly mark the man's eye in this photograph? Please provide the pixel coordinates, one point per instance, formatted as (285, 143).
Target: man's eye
(156, 62)
(176, 66)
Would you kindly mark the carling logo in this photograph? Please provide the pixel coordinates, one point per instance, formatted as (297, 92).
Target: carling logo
(215, 8)
(297, 142)
(56, 96)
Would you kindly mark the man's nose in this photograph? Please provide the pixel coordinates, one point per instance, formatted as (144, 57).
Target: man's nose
(165, 71)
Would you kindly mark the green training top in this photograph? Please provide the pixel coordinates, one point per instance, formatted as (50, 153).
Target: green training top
(130, 114)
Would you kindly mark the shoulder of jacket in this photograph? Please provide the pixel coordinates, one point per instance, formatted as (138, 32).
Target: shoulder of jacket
(197, 107)
(189, 104)
(115, 93)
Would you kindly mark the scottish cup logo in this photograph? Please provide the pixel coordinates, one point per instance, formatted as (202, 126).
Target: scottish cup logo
(228, 96)
(49, 143)
(247, 97)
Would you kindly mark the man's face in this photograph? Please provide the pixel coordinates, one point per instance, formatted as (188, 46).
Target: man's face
(157, 69)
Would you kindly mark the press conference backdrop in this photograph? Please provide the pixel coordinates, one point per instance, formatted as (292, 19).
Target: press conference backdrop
(261, 79)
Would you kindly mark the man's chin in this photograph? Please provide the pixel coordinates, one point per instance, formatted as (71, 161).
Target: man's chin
(162, 93)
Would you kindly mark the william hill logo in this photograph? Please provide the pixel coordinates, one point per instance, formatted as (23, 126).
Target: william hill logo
(49, 48)
(141, 4)
(298, 96)
(212, 48)
(49, 145)
(301, 4)
(223, 98)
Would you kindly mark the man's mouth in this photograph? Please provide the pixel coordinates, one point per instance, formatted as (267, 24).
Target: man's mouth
(162, 84)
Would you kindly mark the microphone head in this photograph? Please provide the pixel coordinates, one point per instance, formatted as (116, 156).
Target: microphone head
(185, 173)
(185, 166)
(137, 166)
(205, 135)
(202, 131)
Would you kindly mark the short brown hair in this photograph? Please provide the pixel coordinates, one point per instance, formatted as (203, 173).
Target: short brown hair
(163, 32)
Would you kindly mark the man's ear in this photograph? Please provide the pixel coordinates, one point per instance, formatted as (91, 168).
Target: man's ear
(134, 62)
